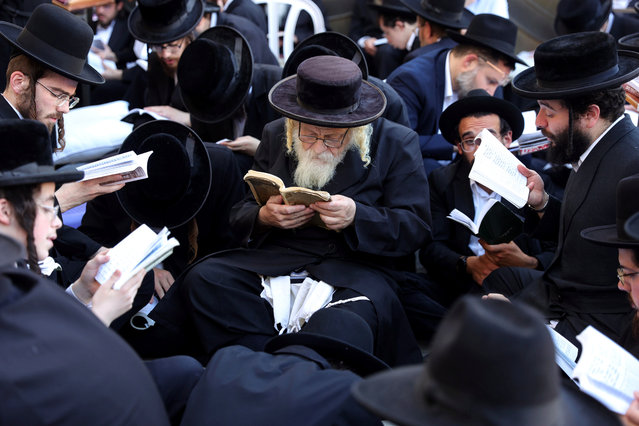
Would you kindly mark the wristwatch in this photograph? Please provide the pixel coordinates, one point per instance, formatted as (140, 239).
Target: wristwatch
(461, 264)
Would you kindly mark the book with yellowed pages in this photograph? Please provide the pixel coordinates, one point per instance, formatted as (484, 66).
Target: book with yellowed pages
(264, 185)
(125, 167)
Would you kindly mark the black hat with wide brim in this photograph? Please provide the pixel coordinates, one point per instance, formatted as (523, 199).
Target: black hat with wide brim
(575, 16)
(630, 41)
(336, 334)
(57, 39)
(328, 91)
(328, 43)
(179, 175)
(515, 385)
(632, 226)
(26, 157)
(164, 21)
(575, 64)
(615, 235)
(214, 74)
(492, 32)
(447, 13)
(479, 101)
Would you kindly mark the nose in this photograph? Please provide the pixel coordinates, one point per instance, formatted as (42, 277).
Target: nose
(621, 287)
(64, 108)
(319, 147)
(57, 223)
(540, 120)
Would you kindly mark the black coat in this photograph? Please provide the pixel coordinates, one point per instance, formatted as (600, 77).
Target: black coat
(121, 42)
(250, 11)
(254, 35)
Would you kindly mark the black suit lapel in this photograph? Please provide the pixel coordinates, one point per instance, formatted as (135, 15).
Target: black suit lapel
(6, 110)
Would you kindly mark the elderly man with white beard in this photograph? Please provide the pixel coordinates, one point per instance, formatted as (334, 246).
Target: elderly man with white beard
(331, 139)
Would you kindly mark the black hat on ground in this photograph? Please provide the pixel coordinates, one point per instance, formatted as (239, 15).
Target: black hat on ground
(575, 16)
(338, 335)
(179, 175)
(391, 7)
(575, 64)
(491, 362)
(328, 43)
(164, 21)
(57, 39)
(214, 74)
(490, 31)
(328, 91)
(26, 157)
(479, 100)
(630, 41)
(627, 204)
(448, 13)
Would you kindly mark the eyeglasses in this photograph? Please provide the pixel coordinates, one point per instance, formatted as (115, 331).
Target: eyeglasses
(52, 211)
(63, 98)
(470, 145)
(621, 275)
(505, 78)
(170, 47)
(328, 143)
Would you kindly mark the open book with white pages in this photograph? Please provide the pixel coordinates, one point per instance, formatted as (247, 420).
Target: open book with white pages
(125, 167)
(142, 248)
(496, 168)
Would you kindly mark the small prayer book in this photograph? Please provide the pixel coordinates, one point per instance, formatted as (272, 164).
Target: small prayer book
(125, 167)
(496, 223)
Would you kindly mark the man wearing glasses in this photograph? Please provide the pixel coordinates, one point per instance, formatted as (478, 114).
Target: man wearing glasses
(483, 59)
(456, 260)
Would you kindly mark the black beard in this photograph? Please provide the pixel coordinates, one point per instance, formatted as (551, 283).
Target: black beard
(562, 150)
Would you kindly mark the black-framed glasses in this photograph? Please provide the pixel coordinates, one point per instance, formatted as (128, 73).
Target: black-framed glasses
(621, 275)
(169, 47)
(62, 97)
(328, 142)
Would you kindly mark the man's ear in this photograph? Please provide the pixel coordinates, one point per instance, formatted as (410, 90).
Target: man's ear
(591, 117)
(507, 139)
(459, 148)
(469, 62)
(19, 82)
(6, 212)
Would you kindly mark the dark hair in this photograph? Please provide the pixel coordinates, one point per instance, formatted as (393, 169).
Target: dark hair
(24, 207)
(437, 29)
(504, 127)
(484, 52)
(610, 102)
(390, 18)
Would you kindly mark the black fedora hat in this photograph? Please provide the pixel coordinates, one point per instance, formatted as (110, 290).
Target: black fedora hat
(391, 7)
(632, 226)
(615, 235)
(479, 100)
(336, 334)
(179, 175)
(328, 91)
(630, 41)
(448, 13)
(575, 16)
(57, 39)
(26, 157)
(575, 64)
(214, 74)
(491, 31)
(328, 43)
(491, 363)
(164, 21)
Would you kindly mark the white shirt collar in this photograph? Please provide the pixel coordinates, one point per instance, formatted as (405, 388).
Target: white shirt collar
(611, 18)
(411, 40)
(583, 156)
(449, 95)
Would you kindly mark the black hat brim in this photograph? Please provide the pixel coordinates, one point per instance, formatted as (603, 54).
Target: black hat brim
(88, 74)
(467, 106)
(165, 34)
(525, 83)
(359, 361)
(484, 42)
(466, 15)
(283, 98)
(607, 235)
(210, 112)
(158, 213)
(393, 395)
(40, 174)
(385, 9)
(632, 226)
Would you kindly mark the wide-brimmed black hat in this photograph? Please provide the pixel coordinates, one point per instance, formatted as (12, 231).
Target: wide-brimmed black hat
(479, 100)
(214, 74)
(629, 42)
(448, 13)
(338, 335)
(179, 175)
(390, 7)
(575, 64)
(57, 39)
(490, 31)
(328, 43)
(164, 21)
(491, 363)
(575, 16)
(26, 157)
(632, 226)
(615, 235)
(328, 91)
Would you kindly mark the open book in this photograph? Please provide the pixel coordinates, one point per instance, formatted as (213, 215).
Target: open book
(496, 168)
(142, 248)
(565, 352)
(264, 185)
(139, 115)
(129, 166)
(496, 223)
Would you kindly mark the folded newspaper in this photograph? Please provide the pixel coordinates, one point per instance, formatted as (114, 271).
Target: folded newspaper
(125, 167)
(142, 248)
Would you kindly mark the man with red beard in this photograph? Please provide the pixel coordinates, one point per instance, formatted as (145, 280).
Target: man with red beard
(577, 81)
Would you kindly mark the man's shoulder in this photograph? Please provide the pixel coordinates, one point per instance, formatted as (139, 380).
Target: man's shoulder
(442, 177)
(419, 66)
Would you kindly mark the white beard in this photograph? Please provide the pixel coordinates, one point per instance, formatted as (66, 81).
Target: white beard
(314, 170)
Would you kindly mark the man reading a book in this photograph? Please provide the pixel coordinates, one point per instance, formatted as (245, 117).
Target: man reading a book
(577, 82)
(333, 140)
(456, 260)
